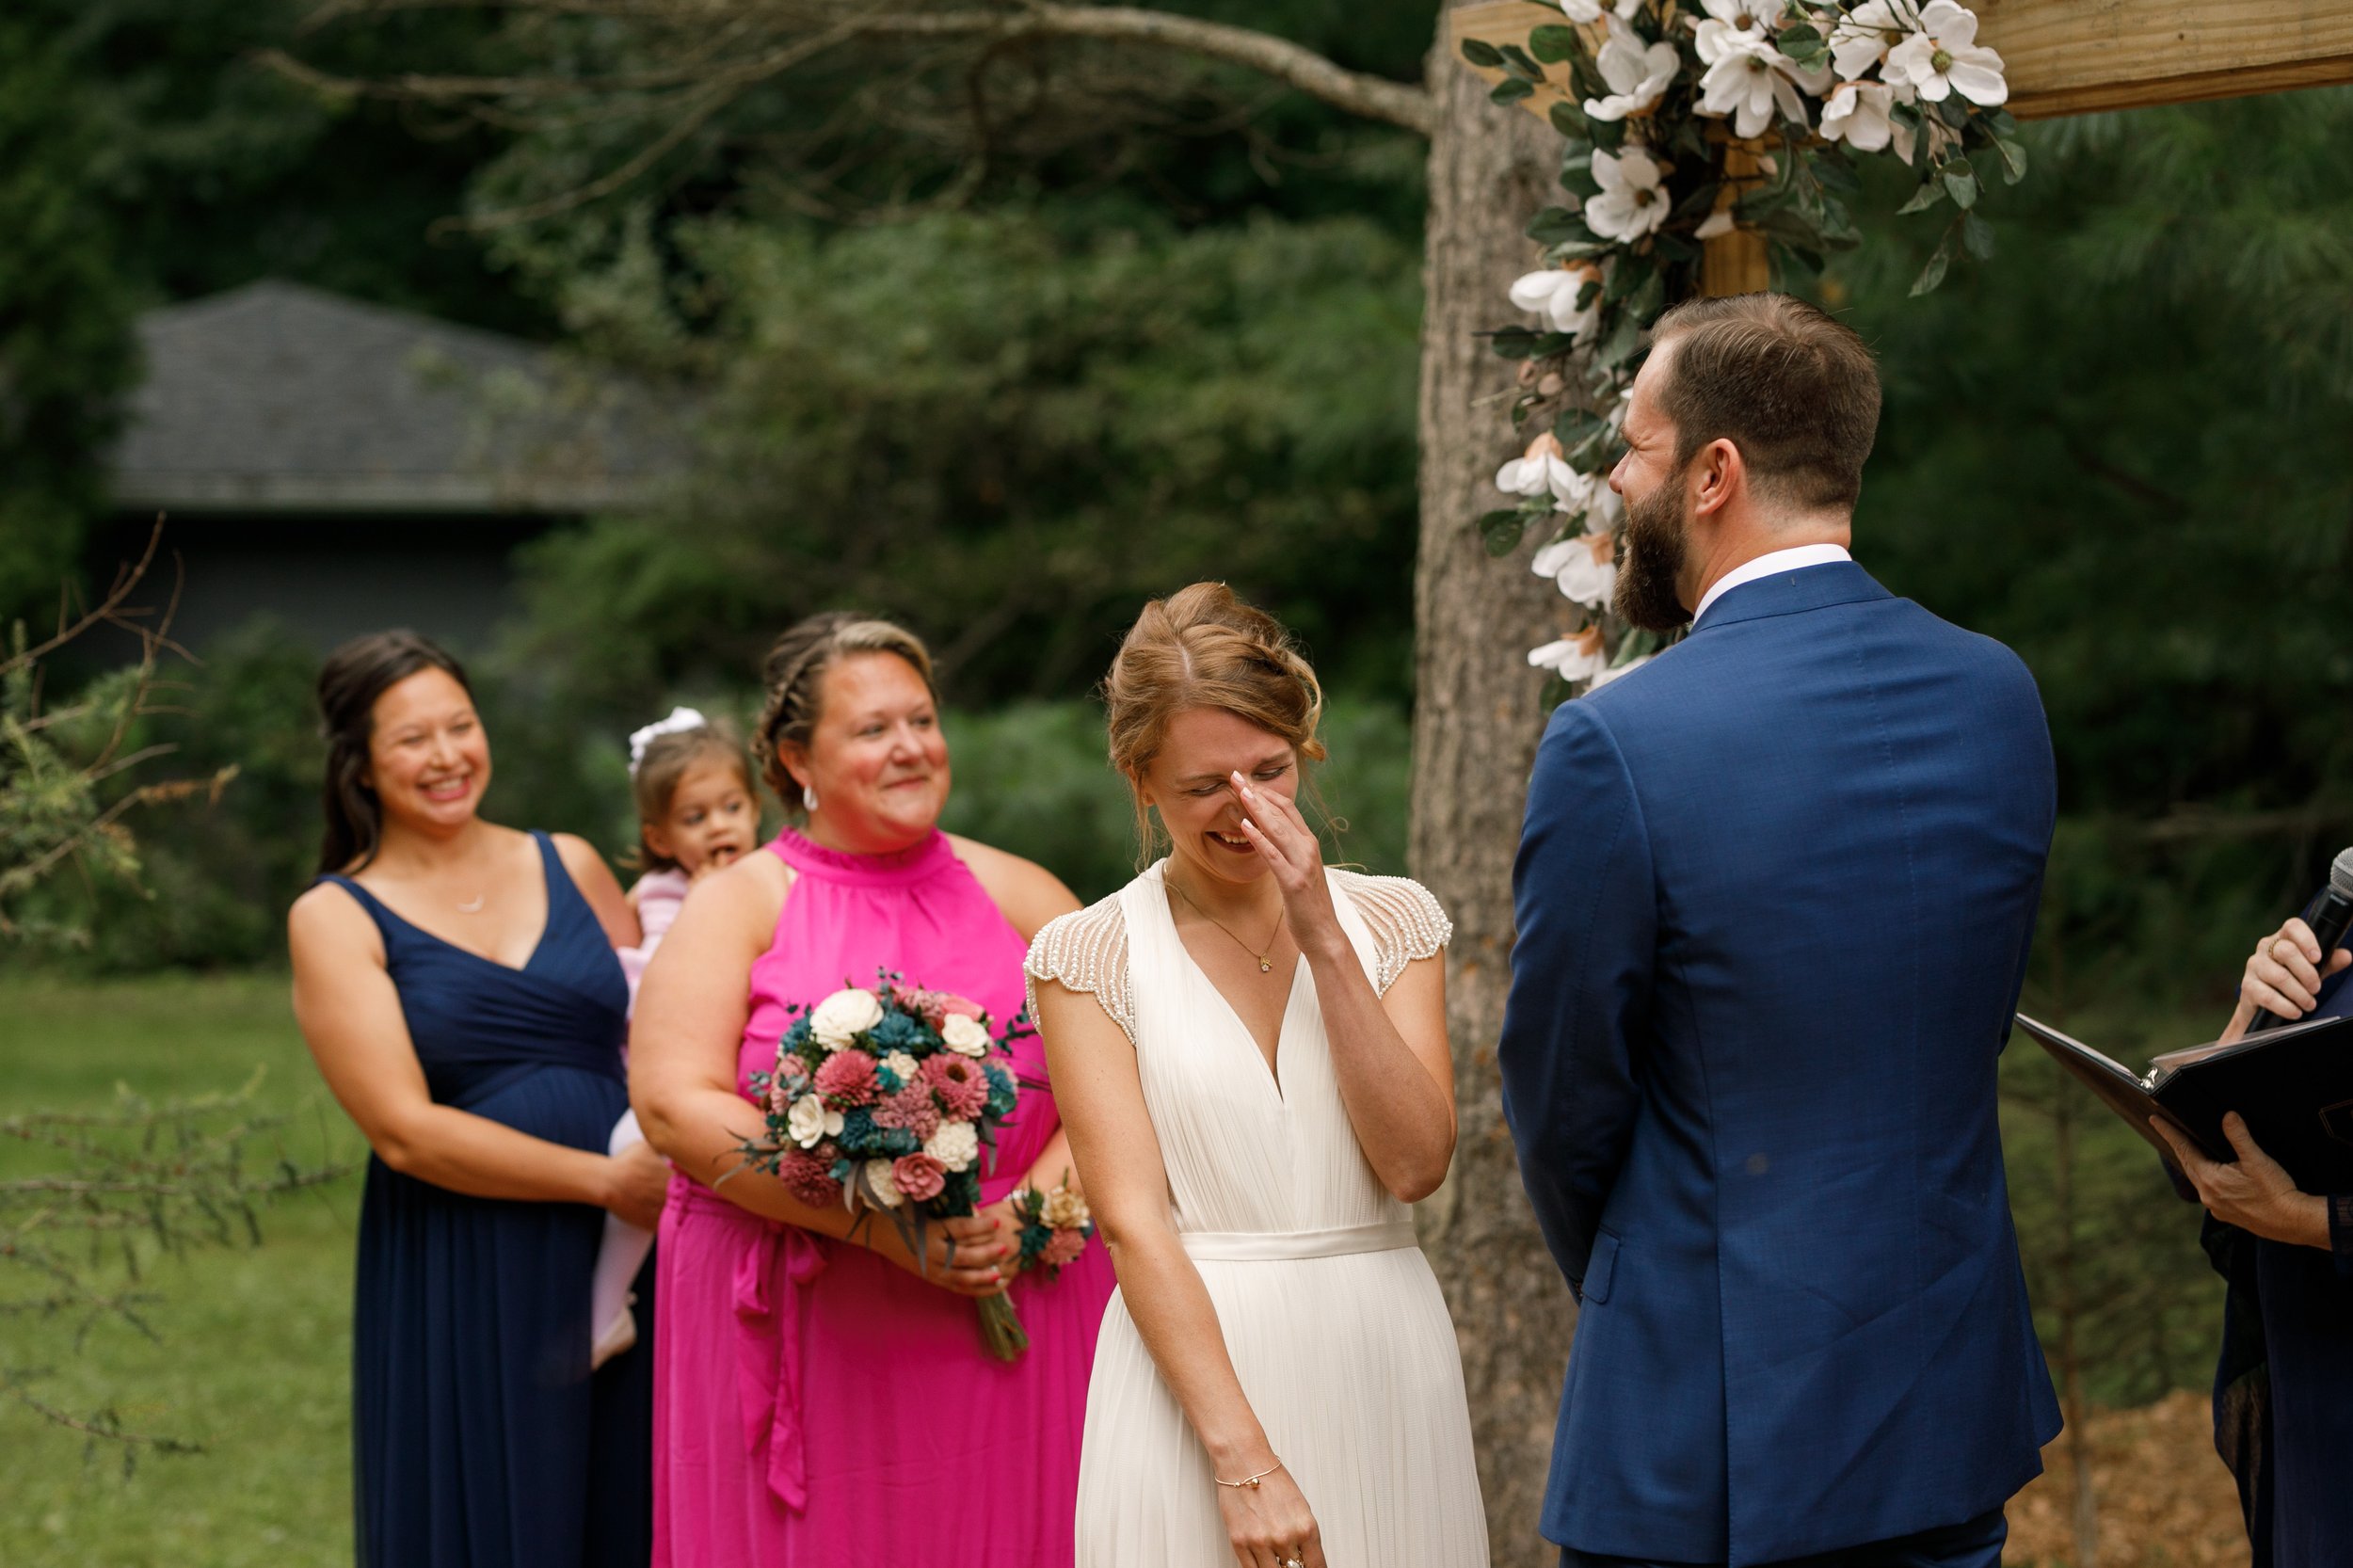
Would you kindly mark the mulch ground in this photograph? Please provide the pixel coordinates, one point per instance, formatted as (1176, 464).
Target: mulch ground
(2164, 1499)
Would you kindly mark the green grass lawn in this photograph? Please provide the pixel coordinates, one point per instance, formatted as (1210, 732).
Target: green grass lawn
(253, 1344)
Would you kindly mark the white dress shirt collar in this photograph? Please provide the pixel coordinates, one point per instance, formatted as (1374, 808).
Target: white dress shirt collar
(1768, 565)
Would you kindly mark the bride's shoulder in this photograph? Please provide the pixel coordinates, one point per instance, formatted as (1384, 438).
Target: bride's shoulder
(1406, 919)
(1086, 951)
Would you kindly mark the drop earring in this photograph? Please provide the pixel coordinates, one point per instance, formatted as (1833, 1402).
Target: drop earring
(809, 797)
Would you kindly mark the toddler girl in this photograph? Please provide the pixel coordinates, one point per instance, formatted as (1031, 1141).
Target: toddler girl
(697, 811)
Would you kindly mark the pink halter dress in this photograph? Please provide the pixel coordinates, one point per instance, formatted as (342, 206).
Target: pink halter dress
(814, 1405)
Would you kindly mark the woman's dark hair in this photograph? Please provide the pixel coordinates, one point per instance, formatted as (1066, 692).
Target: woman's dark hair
(354, 676)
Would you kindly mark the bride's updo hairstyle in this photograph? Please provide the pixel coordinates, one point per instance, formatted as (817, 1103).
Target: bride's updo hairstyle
(794, 676)
(1204, 648)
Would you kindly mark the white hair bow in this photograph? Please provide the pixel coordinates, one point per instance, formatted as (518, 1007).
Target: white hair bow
(679, 719)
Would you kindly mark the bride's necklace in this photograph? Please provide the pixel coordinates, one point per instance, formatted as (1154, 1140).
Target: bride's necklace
(1264, 952)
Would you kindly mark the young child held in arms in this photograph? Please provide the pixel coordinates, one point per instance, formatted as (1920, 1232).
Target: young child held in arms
(697, 811)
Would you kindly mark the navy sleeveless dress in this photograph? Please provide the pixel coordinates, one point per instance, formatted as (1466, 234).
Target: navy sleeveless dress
(481, 1439)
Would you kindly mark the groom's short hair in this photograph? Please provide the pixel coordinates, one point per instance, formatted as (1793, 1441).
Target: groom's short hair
(1796, 390)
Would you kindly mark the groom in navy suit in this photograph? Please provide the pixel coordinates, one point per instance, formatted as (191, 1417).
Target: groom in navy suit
(1773, 901)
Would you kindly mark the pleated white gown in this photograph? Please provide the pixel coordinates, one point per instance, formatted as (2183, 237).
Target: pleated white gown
(1332, 1317)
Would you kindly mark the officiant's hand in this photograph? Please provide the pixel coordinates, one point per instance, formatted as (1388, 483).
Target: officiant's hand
(2256, 1193)
(2284, 975)
(1271, 821)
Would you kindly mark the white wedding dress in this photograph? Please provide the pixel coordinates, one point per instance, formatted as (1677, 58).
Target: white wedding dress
(1330, 1312)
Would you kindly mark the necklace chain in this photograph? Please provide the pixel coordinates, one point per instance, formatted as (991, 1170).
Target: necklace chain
(1263, 954)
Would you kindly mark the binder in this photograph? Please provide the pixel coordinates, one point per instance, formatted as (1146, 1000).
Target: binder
(2293, 1086)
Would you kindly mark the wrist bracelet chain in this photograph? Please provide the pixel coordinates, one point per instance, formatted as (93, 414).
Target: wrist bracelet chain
(1251, 1481)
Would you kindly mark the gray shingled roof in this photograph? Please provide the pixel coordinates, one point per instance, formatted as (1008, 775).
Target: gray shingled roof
(278, 397)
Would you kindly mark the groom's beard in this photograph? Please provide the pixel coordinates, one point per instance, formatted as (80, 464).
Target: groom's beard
(1658, 537)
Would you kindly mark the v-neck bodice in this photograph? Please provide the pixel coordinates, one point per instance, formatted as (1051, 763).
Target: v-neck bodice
(475, 1022)
(1247, 1149)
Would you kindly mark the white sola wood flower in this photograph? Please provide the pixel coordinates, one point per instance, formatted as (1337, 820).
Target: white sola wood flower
(1554, 294)
(964, 1036)
(1858, 113)
(1541, 468)
(1577, 656)
(1863, 36)
(1586, 11)
(809, 1123)
(1639, 77)
(955, 1145)
(1750, 79)
(1585, 568)
(1943, 57)
(1632, 201)
(842, 1016)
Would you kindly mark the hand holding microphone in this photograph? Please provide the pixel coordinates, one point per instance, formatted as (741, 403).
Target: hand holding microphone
(2284, 975)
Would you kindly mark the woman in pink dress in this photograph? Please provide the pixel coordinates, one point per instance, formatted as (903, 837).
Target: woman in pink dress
(823, 1396)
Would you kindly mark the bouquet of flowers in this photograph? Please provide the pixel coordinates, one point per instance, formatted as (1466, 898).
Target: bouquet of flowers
(885, 1100)
(1054, 1228)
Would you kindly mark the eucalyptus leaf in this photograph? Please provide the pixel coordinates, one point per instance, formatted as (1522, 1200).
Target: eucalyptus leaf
(1485, 55)
(1646, 303)
(1698, 202)
(1502, 531)
(1554, 43)
(1569, 120)
(1560, 226)
(1621, 344)
(1516, 342)
(1977, 236)
(1516, 61)
(2013, 161)
(1512, 90)
(1609, 134)
(1933, 274)
(1578, 427)
(1931, 191)
(1962, 183)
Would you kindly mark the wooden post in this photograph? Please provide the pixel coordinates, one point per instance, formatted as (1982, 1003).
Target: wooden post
(1740, 262)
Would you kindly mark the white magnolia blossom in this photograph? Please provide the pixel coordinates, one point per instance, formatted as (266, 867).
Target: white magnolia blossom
(1553, 293)
(1614, 671)
(964, 1036)
(1945, 58)
(1750, 79)
(1541, 468)
(1579, 657)
(1637, 76)
(881, 1185)
(1715, 225)
(1633, 200)
(1859, 114)
(1759, 19)
(1589, 12)
(1585, 568)
(810, 1124)
(844, 1016)
(955, 1145)
(1863, 37)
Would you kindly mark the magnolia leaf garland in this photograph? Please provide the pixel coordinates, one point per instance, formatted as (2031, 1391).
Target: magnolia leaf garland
(1662, 97)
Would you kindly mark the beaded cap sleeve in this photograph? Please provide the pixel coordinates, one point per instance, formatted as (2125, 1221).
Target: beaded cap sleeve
(1404, 918)
(1086, 951)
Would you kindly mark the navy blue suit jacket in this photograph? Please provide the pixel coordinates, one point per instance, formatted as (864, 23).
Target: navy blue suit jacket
(1774, 899)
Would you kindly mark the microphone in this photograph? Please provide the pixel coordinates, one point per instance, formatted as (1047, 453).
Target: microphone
(2330, 915)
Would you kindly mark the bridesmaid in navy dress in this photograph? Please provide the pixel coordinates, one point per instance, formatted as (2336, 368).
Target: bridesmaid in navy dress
(457, 983)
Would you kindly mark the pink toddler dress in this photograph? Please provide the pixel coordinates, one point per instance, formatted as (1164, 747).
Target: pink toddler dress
(814, 1405)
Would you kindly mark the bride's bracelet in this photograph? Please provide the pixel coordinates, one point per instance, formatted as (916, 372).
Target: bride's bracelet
(1251, 1481)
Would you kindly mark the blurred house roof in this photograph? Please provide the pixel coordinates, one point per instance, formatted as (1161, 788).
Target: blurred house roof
(277, 397)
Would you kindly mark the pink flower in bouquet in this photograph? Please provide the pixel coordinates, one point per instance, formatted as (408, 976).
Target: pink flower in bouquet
(961, 1007)
(911, 1107)
(1064, 1247)
(808, 1174)
(919, 1175)
(847, 1078)
(962, 1087)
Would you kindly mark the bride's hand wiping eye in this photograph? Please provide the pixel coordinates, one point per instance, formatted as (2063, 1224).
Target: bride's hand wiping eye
(1273, 826)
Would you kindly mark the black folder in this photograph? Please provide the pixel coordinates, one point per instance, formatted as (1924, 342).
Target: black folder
(2293, 1084)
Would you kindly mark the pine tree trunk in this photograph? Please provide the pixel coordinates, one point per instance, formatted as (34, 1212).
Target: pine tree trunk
(1476, 720)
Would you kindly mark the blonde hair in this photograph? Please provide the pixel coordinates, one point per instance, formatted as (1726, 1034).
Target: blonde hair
(794, 676)
(1204, 648)
(667, 761)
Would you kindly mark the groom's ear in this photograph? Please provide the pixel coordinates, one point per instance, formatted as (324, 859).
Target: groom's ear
(1717, 474)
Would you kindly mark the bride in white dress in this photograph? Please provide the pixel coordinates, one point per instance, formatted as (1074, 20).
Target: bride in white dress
(1249, 1051)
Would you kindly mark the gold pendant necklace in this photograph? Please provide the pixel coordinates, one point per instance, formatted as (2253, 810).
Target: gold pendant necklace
(1264, 955)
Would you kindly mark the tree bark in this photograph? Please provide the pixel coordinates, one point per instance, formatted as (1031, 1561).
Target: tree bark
(1477, 719)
